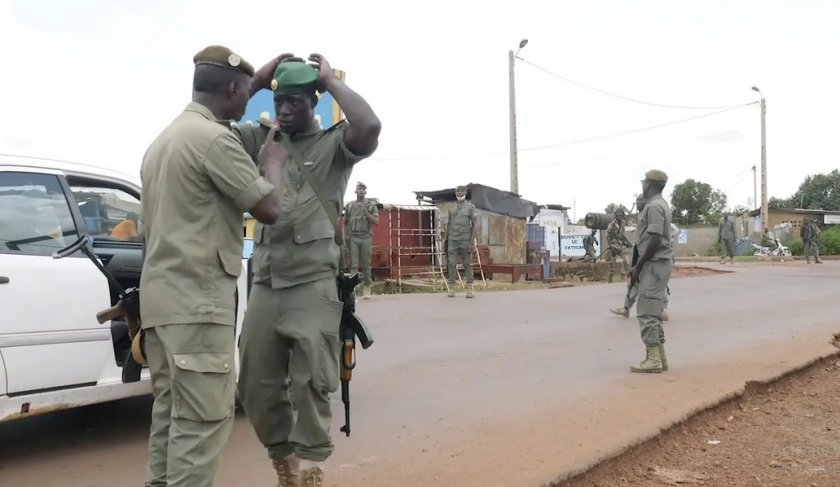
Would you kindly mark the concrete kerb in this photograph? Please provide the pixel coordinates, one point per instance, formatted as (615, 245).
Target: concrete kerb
(750, 387)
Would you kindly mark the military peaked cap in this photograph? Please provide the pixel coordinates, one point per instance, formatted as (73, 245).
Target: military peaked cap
(657, 176)
(223, 57)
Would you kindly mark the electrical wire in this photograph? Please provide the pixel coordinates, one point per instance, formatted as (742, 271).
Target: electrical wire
(622, 97)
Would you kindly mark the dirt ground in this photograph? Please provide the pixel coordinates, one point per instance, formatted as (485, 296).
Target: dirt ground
(781, 434)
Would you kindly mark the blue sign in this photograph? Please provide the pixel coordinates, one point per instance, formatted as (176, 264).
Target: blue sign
(263, 101)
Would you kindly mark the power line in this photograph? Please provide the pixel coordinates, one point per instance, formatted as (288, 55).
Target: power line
(629, 132)
(622, 97)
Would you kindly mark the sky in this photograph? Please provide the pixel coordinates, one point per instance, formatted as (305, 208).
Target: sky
(95, 81)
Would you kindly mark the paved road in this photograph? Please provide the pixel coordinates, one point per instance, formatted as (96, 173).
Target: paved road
(509, 389)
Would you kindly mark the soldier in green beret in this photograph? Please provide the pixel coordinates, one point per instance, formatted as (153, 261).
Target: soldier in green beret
(359, 218)
(652, 271)
(290, 337)
(197, 180)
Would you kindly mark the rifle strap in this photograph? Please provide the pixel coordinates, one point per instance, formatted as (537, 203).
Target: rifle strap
(332, 212)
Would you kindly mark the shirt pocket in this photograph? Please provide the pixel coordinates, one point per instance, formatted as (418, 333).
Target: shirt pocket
(231, 263)
(313, 230)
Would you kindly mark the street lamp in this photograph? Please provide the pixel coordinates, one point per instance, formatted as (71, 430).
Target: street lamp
(765, 216)
(514, 167)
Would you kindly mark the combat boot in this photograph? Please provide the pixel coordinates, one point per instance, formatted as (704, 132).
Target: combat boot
(620, 312)
(470, 290)
(662, 357)
(311, 474)
(288, 471)
(652, 364)
(366, 294)
(451, 292)
(664, 316)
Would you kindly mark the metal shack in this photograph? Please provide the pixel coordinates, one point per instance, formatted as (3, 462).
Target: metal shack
(403, 243)
(502, 216)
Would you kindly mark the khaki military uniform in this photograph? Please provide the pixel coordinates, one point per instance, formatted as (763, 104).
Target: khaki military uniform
(462, 217)
(655, 219)
(616, 253)
(290, 337)
(359, 239)
(197, 182)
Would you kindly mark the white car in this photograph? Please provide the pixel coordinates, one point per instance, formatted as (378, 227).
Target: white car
(53, 353)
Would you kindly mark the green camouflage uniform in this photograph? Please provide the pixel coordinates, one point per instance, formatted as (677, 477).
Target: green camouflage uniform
(617, 245)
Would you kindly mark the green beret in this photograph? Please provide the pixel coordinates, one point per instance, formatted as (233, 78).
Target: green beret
(224, 58)
(361, 185)
(460, 188)
(294, 77)
(657, 176)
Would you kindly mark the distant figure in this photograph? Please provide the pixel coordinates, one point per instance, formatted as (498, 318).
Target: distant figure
(459, 237)
(726, 237)
(589, 243)
(810, 233)
(617, 244)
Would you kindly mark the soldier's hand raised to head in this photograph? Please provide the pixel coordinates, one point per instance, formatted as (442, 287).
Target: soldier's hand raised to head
(325, 71)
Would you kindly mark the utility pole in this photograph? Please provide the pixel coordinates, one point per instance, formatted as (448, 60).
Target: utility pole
(755, 188)
(765, 216)
(514, 163)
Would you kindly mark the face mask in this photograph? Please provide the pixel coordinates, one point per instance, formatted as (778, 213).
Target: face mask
(461, 198)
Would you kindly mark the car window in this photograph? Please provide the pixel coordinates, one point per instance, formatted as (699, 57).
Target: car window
(35, 217)
(109, 213)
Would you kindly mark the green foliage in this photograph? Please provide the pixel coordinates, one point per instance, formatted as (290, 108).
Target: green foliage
(612, 207)
(830, 241)
(796, 247)
(739, 210)
(817, 192)
(694, 202)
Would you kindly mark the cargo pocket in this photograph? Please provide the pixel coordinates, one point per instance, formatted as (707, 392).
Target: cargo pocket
(327, 377)
(203, 386)
(231, 263)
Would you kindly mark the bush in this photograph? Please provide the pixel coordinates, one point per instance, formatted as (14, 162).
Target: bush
(830, 241)
(796, 247)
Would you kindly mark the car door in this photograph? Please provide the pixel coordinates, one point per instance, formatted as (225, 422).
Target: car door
(49, 336)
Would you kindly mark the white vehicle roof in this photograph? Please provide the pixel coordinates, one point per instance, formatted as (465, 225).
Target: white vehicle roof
(8, 161)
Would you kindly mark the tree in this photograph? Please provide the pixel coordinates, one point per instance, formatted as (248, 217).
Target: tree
(612, 207)
(817, 192)
(694, 202)
(739, 210)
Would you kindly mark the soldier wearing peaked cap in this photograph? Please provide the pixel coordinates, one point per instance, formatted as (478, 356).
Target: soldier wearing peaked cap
(197, 181)
(294, 303)
(652, 271)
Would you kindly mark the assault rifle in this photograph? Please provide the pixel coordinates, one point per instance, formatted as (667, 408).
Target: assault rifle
(351, 327)
(127, 307)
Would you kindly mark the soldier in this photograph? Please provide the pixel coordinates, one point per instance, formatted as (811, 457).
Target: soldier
(290, 337)
(459, 236)
(617, 244)
(589, 243)
(359, 215)
(726, 237)
(652, 271)
(197, 182)
(633, 291)
(810, 233)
